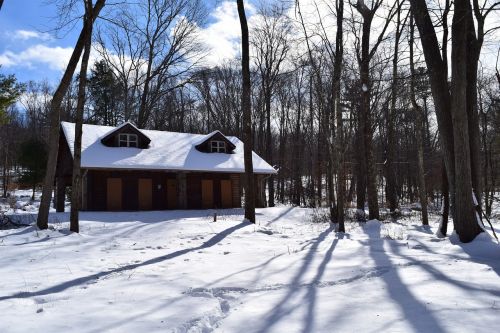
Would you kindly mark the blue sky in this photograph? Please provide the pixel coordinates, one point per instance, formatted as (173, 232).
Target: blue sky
(25, 34)
(30, 49)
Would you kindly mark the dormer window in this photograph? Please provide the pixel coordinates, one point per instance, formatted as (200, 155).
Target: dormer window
(215, 142)
(217, 146)
(127, 140)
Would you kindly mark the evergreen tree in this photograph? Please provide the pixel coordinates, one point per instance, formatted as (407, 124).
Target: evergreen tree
(33, 159)
(10, 90)
(105, 95)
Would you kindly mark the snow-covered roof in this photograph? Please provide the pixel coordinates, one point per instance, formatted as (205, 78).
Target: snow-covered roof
(167, 151)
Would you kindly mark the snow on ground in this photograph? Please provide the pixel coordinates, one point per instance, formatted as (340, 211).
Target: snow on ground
(176, 271)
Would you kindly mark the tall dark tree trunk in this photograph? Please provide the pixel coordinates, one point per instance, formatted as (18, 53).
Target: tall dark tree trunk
(439, 86)
(452, 111)
(391, 139)
(446, 203)
(464, 215)
(360, 167)
(419, 120)
(337, 71)
(365, 112)
(54, 117)
(76, 188)
(269, 144)
(247, 116)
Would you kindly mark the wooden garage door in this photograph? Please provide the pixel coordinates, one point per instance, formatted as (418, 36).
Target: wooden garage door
(171, 193)
(114, 194)
(145, 193)
(207, 193)
(226, 193)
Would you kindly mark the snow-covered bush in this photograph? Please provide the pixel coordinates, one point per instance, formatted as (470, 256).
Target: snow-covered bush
(320, 215)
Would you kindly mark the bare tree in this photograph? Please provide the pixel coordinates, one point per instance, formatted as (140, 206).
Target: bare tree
(247, 116)
(340, 149)
(364, 54)
(156, 45)
(452, 111)
(76, 193)
(391, 139)
(55, 110)
(270, 41)
(419, 119)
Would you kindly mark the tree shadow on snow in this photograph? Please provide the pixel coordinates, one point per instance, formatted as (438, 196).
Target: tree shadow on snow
(283, 308)
(483, 250)
(416, 313)
(282, 214)
(84, 279)
(159, 216)
(311, 295)
(446, 278)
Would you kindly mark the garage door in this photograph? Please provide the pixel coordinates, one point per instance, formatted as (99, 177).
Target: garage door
(114, 194)
(145, 193)
(207, 193)
(226, 193)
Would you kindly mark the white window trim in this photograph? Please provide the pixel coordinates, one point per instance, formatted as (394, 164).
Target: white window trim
(128, 140)
(217, 146)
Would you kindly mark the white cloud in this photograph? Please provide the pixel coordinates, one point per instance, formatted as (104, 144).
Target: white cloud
(6, 61)
(222, 37)
(56, 58)
(30, 34)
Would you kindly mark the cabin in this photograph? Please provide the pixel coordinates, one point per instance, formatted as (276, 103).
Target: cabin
(125, 168)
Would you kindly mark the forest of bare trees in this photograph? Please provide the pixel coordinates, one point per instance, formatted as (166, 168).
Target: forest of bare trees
(376, 103)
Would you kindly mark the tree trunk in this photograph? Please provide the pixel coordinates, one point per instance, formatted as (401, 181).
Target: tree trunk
(446, 203)
(464, 216)
(419, 120)
(360, 167)
(364, 56)
(76, 187)
(54, 117)
(247, 116)
(391, 140)
(337, 68)
(269, 144)
(439, 86)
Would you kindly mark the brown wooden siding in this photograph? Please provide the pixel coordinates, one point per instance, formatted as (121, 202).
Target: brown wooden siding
(97, 189)
(193, 184)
